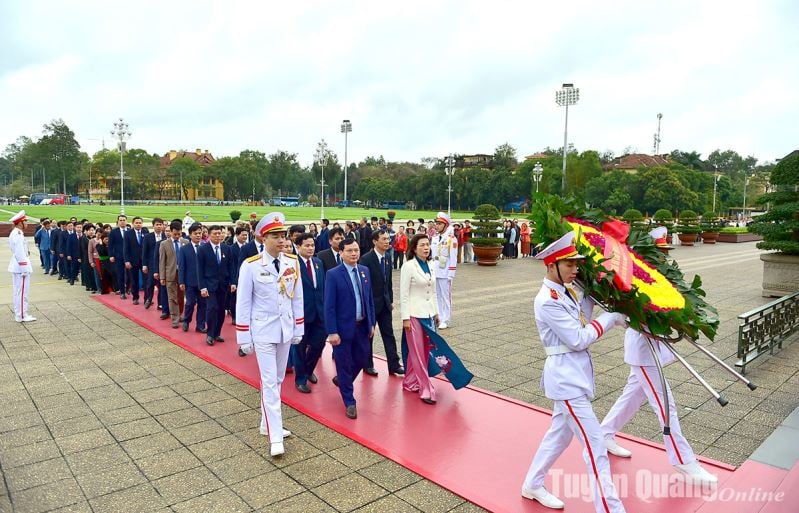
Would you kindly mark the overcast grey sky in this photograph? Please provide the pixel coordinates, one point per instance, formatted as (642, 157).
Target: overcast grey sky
(416, 78)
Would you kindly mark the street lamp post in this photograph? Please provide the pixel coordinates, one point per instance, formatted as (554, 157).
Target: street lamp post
(346, 127)
(746, 182)
(568, 95)
(122, 133)
(320, 157)
(450, 170)
(538, 174)
(716, 179)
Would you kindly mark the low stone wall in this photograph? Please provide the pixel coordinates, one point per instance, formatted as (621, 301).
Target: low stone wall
(5, 229)
(739, 237)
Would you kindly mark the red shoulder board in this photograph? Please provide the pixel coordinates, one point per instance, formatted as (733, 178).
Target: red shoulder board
(553, 294)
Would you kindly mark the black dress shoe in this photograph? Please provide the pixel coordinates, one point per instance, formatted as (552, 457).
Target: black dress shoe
(312, 378)
(371, 371)
(335, 380)
(165, 316)
(201, 330)
(209, 341)
(147, 304)
(219, 339)
(352, 412)
(242, 353)
(175, 324)
(427, 400)
(305, 389)
(123, 296)
(60, 277)
(185, 326)
(399, 371)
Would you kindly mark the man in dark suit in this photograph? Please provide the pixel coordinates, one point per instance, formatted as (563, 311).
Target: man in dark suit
(349, 319)
(330, 257)
(215, 263)
(379, 265)
(365, 236)
(189, 279)
(323, 240)
(295, 231)
(116, 251)
(149, 267)
(252, 248)
(313, 295)
(71, 251)
(55, 243)
(240, 240)
(134, 242)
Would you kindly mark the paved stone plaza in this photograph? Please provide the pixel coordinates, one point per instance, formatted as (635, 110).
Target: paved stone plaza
(102, 415)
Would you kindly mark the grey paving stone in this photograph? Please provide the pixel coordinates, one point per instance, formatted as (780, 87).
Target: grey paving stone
(36, 474)
(266, 489)
(301, 503)
(97, 459)
(388, 504)
(109, 480)
(199, 432)
(349, 492)
(219, 501)
(390, 475)
(141, 498)
(167, 463)
(151, 444)
(48, 497)
(187, 485)
(429, 497)
(218, 448)
(135, 429)
(241, 467)
(316, 471)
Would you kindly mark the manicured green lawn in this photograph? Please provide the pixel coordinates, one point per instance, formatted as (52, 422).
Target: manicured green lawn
(108, 213)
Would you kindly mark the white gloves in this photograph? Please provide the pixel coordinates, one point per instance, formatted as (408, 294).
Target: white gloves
(619, 320)
(247, 348)
(296, 340)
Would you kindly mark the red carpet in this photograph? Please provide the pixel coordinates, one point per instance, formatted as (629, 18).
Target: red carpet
(474, 443)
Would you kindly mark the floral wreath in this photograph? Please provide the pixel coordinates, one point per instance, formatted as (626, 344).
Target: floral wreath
(625, 272)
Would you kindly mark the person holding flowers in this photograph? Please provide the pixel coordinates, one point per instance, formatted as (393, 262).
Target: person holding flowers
(563, 319)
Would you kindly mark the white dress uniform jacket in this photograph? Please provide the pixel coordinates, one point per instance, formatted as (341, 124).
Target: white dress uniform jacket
(20, 262)
(444, 248)
(421, 300)
(568, 370)
(637, 352)
(269, 306)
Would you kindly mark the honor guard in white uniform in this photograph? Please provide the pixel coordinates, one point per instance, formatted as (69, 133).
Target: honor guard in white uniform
(563, 319)
(644, 385)
(269, 319)
(20, 268)
(444, 250)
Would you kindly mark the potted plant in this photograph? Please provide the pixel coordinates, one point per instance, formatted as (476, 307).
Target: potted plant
(487, 246)
(235, 215)
(391, 215)
(780, 229)
(710, 229)
(663, 217)
(688, 227)
(633, 217)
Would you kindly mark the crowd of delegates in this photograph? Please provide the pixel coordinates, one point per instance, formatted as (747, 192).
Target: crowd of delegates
(198, 275)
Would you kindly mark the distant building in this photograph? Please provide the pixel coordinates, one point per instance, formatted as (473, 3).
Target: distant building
(209, 188)
(633, 162)
(537, 156)
(480, 160)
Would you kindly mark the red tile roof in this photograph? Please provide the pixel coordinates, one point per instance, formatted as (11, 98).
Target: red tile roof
(636, 160)
(203, 158)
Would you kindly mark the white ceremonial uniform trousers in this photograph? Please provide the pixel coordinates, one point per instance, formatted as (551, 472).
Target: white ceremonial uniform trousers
(444, 293)
(575, 417)
(272, 360)
(642, 385)
(21, 285)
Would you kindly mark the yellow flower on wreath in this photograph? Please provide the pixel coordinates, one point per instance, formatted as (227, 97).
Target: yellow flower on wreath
(662, 294)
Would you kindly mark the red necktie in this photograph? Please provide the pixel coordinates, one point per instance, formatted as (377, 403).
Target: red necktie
(310, 272)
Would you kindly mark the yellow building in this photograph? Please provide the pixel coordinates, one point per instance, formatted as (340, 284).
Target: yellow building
(211, 189)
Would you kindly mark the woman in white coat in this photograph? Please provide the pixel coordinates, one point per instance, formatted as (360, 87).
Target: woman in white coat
(418, 308)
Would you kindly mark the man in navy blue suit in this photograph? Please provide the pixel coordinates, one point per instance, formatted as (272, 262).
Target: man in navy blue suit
(252, 248)
(239, 242)
(116, 251)
(349, 319)
(149, 267)
(215, 266)
(189, 279)
(134, 242)
(313, 295)
(71, 251)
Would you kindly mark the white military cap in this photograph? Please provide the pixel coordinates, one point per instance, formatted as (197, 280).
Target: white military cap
(561, 249)
(19, 216)
(443, 218)
(270, 223)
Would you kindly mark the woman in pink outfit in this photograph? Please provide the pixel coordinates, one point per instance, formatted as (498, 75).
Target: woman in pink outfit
(418, 307)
